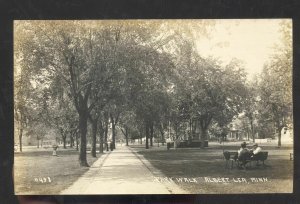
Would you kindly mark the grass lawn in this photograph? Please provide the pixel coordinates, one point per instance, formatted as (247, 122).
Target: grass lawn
(32, 169)
(200, 163)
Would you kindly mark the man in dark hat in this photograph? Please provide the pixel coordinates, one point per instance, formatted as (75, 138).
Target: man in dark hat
(243, 149)
(243, 155)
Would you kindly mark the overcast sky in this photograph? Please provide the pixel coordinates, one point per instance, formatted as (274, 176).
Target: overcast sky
(249, 40)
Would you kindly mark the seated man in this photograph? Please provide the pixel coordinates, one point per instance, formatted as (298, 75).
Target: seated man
(243, 154)
(243, 149)
(256, 149)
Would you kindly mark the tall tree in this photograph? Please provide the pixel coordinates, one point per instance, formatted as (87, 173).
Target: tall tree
(251, 106)
(276, 83)
(23, 88)
(207, 90)
(79, 54)
(22, 107)
(127, 124)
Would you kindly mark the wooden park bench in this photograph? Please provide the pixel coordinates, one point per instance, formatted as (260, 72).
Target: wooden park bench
(261, 156)
(232, 157)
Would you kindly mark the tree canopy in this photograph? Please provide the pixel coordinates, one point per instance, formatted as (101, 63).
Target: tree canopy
(141, 76)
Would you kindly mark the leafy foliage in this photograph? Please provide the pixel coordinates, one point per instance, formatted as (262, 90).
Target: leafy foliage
(276, 84)
(142, 76)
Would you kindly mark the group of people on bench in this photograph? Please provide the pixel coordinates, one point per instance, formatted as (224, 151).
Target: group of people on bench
(245, 154)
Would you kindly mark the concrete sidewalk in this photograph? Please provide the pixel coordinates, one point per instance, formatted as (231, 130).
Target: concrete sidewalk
(121, 172)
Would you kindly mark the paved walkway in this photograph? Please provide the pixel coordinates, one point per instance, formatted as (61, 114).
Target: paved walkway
(122, 172)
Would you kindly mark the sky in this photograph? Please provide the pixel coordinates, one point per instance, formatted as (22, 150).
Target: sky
(251, 41)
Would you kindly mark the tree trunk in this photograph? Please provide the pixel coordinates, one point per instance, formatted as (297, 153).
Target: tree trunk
(94, 134)
(20, 138)
(279, 136)
(126, 136)
(71, 141)
(101, 143)
(204, 134)
(113, 131)
(176, 136)
(101, 138)
(64, 140)
(191, 130)
(105, 135)
(252, 131)
(151, 135)
(83, 117)
(147, 136)
(125, 133)
(77, 142)
(162, 138)
(162, 134)
(38, 142)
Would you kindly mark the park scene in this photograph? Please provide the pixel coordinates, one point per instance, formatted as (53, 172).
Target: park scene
(153, 107)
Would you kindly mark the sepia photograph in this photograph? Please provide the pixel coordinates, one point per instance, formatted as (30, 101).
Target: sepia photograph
(199, 106)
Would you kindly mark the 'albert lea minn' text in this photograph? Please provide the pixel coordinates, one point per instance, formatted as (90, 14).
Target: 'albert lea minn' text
(211, 180)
